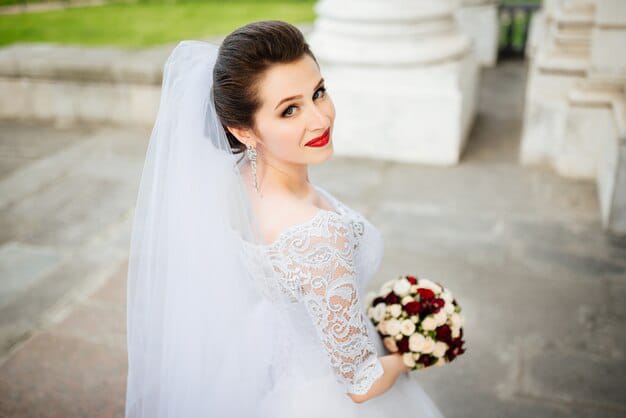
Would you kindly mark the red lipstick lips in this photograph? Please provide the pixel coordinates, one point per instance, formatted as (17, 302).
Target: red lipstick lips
(320, 141)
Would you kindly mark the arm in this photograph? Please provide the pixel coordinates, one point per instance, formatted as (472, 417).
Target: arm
(324, 259)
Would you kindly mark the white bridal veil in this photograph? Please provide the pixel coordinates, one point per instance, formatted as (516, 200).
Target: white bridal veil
(204, 336)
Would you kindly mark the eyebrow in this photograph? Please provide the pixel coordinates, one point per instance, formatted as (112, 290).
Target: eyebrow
(286, 99)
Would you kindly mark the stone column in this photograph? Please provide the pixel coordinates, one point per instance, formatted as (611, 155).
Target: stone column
(575, 118)
(479, 19)
(402, 76)
(557, 63)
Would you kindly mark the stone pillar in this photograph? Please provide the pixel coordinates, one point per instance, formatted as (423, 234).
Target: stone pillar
(574, 117)
(479, 19)
(558, 62)
(402, 76)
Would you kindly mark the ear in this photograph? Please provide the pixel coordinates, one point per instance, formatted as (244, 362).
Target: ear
(244, 135)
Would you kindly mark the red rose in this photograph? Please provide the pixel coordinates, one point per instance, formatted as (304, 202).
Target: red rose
(425, 294)
(413, 308)
(411, 279)
(391, 298)
(403, 344)
(438, 303)
(377, 300)
(428, 307)
(457, 342)
(444, 333)
(456, 348)
(425, 359)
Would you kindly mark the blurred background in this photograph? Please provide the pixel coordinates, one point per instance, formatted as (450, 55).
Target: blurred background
(485, 139)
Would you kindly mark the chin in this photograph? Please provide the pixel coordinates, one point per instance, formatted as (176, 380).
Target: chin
(325, 155)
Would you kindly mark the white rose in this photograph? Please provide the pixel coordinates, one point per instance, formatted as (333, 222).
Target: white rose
(393, 326)
(456, 331)
(379, 312)
(441, 317)
(407, 299)
(440, 349)
(448, 307)
(429, 323)
(369, 297)
(407, 359)
(428, 284)
(429, 345)
(402, 287)
(407, 327)
(416, 342)
(440, 361)
(390, 344)
(456, 320)
(415, 319)
(387, 287)
(395, 310)
(414, 288)
(446, 295)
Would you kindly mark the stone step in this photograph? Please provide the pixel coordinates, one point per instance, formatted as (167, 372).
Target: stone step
(610, 142)
(561, 62)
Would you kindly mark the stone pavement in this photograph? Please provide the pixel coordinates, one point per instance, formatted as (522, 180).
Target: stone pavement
(541, 286)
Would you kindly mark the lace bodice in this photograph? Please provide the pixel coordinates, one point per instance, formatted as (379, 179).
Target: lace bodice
(324, 265)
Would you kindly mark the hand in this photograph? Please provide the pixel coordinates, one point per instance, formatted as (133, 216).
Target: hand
(401, 366)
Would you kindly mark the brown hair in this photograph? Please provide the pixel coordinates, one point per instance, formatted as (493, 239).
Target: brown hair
(243, 57)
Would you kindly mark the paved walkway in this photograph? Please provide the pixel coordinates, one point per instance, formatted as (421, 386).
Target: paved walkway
(541, 285)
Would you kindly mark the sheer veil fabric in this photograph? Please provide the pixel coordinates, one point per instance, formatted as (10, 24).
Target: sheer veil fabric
(221, 324)
(204, 336)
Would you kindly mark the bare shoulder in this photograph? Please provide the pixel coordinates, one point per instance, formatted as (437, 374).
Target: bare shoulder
(278, 214)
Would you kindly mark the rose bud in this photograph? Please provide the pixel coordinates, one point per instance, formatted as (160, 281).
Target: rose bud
(411, 279)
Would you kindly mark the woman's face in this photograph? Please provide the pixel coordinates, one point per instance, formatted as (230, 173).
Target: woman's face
(286, 123)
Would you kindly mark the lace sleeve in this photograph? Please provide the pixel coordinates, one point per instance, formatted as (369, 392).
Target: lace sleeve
(322, 258)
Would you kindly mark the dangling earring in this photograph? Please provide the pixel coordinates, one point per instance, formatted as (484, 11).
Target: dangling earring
(251, 154)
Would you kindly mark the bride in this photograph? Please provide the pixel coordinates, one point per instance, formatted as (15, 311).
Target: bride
(245, 280)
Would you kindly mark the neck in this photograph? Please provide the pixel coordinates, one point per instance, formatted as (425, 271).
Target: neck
(281, 176)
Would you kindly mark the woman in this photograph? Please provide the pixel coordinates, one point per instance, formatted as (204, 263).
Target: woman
(245, 280)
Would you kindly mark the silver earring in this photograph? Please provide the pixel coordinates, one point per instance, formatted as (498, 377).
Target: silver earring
(251, 154)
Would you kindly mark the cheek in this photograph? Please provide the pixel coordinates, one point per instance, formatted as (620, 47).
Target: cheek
(285, 140)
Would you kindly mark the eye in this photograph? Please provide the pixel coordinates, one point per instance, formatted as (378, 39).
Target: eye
(286, 113)
(322, 89)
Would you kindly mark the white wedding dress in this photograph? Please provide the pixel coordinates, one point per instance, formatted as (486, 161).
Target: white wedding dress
(324, 266)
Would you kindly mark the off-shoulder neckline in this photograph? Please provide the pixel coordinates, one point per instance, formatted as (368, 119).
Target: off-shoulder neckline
(338, 211)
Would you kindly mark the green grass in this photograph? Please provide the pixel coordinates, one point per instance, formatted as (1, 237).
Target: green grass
(147, 22)
(141, 23)
(12, 2)
(518, 21)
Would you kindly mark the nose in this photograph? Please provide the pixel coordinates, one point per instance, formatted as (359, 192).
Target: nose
(318, 120)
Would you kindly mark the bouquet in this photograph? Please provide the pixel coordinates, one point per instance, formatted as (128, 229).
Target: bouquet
(419, 319)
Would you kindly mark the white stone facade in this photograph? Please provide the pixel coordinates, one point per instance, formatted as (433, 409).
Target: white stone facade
(575, 119)
(402, 75)
(479, 19)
